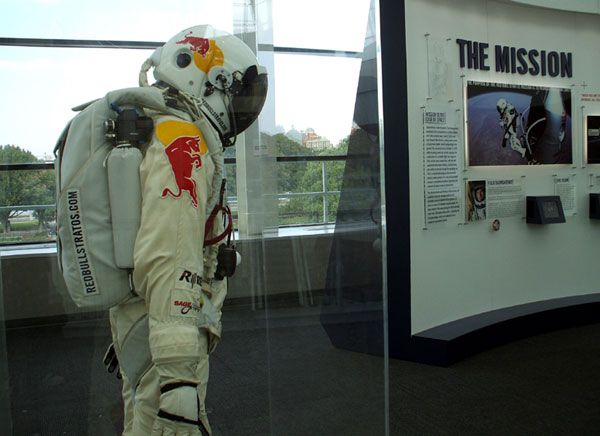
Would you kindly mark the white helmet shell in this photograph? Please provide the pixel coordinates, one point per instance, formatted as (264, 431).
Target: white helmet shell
(219, 71)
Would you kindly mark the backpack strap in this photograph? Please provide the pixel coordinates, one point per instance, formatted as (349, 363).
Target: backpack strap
(210, 222)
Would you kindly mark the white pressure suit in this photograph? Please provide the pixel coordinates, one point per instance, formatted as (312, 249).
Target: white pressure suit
(508, 122)
(214, 89)
(181, 311)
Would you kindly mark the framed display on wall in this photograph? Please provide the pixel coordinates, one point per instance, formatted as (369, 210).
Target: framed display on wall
(475, 200)
(592, 139)
(517, 125)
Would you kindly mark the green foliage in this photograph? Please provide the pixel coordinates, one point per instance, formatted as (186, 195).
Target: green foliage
(231, 176)
(37, 187)
(44, 194)
(26, 187)
(307, 177)
(14, 154)
(26, 226)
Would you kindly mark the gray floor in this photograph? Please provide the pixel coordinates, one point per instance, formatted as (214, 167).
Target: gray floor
(542, 385)
(281, 376)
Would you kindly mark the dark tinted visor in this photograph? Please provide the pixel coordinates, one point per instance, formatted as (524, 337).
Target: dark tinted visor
(248, 101)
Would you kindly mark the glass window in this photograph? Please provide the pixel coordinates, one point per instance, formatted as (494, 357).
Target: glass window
(27, 197)
(330, 25)
(314, 96)
(135, 20)
(45, 83)
(302, 343)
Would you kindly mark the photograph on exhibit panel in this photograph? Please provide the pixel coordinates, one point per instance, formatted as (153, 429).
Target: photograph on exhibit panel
(593, 139)
(517, 125)
(475, 200)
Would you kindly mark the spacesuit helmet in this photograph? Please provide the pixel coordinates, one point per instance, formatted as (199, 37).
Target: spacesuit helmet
(501, 105)
(219, 71)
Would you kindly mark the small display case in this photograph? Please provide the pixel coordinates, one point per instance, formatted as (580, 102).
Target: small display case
(595, 206)
(545, 210)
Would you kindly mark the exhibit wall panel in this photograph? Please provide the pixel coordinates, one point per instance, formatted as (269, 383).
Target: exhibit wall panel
(589, 6)
(460, 266)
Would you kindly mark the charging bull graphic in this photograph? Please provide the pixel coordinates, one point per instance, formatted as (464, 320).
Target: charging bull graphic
(207, 53)
(184, 156)
(198, 45)
(184, 147)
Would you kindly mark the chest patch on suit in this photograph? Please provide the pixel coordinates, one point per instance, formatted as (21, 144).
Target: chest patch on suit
(184, 147)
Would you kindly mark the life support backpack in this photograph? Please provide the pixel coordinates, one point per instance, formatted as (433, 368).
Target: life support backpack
(99, 196)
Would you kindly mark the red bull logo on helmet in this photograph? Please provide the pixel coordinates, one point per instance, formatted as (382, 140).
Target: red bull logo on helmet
(184, 147)
(196, 44)
(207, 53)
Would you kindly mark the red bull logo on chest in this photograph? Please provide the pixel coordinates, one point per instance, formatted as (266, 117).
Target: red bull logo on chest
(184, 155)
(184, 147)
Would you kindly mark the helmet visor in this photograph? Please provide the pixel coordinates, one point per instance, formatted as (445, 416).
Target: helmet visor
(248, 100)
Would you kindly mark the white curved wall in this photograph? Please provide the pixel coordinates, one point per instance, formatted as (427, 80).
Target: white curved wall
(463, 270)
(585, 6)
